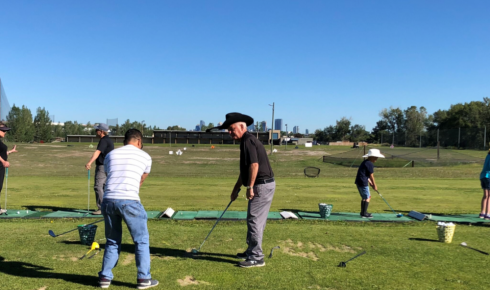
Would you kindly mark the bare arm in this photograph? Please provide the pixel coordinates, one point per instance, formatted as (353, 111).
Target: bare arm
(143, 177)
(94, 156)
(238, 184)
(252, 172)
(372, 182)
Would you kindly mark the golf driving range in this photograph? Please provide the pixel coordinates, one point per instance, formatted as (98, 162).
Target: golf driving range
(47, 202)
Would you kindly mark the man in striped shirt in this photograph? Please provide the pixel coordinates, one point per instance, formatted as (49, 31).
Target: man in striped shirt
(127, 168)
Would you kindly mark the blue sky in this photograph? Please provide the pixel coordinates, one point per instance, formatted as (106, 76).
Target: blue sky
(178, 62)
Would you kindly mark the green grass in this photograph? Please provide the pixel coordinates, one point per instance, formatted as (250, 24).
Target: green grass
(52, 177)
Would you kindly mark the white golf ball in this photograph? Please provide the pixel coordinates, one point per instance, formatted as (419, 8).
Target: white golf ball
(18, 212)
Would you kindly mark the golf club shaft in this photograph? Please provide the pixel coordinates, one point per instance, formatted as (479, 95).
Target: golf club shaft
(485, 253)
(386, 202)
(216, 223)
(6, 185)
(364, 252)
(88, 192)
(77, 228)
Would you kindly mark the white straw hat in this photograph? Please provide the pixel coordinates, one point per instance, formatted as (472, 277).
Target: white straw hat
(374, 153)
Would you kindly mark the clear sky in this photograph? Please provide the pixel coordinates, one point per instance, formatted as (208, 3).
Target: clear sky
(178, 62)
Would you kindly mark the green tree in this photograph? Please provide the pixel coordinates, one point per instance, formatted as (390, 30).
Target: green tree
(42, 126)
(342, 128)
(358, 133)
(394, 119)
(20, 120)
(415, 123)
(175, 128)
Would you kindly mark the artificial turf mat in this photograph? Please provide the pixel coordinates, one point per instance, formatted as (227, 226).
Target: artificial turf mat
(153, 214)
(184, 215)
(348, 216)
(71, 214)
(231, 215)
(17, 213)
(460, 218)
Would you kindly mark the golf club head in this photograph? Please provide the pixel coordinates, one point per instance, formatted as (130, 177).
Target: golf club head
(51, 233)
(194, 251)
(342, 265)
(464, 244)
(272, 250)
(399, 215)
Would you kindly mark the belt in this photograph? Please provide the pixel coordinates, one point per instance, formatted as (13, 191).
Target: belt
(264, 181)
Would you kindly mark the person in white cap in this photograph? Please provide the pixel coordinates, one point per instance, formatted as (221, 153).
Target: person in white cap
(365, 177)
(103, 148)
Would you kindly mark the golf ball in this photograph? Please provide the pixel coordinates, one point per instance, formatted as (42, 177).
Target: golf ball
(18, 212)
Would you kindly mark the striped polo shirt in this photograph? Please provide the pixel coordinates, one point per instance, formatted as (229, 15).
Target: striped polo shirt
(124, 167)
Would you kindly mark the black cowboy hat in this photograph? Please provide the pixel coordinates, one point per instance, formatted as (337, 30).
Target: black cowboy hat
(232, 118)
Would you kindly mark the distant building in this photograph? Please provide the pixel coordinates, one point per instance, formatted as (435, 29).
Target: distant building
(278, 125)
(295, 129)
(201, 124)
(307, 132)
(264, 126)
(198, 128)
(251, 128)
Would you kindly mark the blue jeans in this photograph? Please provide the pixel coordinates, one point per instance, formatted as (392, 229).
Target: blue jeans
(364, 192)
(134, 215)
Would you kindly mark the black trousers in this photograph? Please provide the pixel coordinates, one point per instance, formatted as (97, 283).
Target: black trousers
(2, 177)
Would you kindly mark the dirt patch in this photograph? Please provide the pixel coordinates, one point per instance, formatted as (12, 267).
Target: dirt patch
(290, 248)
(310, 250)
(74, 259)
(189, 280)
(43, 288)
(165, 258)
(128, 260)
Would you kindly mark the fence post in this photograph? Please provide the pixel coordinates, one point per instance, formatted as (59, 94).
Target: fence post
(485, 138)
(420, 144)
(413, 163)
(438, 144)
(459, 136)
(364, 150)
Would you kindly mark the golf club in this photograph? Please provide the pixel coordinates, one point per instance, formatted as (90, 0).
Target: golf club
(6, 187)
(194, 251)
(344, 264)
(465, 245)
(397, 214)
(51, 233)
(88, 192)
(95, 246)
(272, 250)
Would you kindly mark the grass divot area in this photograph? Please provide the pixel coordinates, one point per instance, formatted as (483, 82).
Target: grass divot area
(398, 256)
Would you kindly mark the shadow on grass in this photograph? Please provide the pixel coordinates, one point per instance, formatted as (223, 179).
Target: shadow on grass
(52, 208)
(423, 240)
(28, 270)
(176, 253)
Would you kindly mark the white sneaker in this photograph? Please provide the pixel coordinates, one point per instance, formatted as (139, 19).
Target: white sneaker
(2, 211)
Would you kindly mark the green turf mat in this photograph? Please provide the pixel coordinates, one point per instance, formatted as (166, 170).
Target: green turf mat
(17, 213)
(184, 215)
(37, 214)
(71, 214)
(274, 215)
(232, 215)
(461, 218)
(153, 214)
(348, 216)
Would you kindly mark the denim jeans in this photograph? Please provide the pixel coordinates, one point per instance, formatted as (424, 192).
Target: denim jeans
(134, 215)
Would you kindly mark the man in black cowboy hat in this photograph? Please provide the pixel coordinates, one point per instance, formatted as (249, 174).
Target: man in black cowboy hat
(256, 174)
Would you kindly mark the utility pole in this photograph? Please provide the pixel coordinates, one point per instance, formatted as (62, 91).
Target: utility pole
(438, 144)
(287, 133)
(459, 136)
(272, 129)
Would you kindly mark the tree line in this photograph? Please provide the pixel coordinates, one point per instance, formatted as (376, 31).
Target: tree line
(25, 128)
(409, 126)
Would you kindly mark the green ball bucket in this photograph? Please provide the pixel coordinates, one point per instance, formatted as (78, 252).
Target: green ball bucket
(325, 210)
(87, 234)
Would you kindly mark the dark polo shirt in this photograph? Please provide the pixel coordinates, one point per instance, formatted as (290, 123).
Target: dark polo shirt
(252, 151)
(105, 146)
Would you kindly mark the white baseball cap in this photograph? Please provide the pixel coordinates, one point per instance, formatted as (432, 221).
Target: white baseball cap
(374, 153)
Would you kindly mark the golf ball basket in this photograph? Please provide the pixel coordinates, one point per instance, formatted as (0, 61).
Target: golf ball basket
(87, 234)
(446, 233)
(325, 210)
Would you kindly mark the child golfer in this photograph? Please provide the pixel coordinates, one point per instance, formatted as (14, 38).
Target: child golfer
(365, 177)
(485, 185)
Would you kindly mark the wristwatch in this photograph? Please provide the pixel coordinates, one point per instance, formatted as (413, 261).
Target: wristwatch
(249, 187)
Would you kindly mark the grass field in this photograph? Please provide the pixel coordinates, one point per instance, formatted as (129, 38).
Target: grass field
(399, 256)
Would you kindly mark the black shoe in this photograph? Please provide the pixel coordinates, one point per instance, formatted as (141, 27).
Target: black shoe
(242, 255)
(104, 283)
(146, 283)
(367, 216)
(252, 263)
